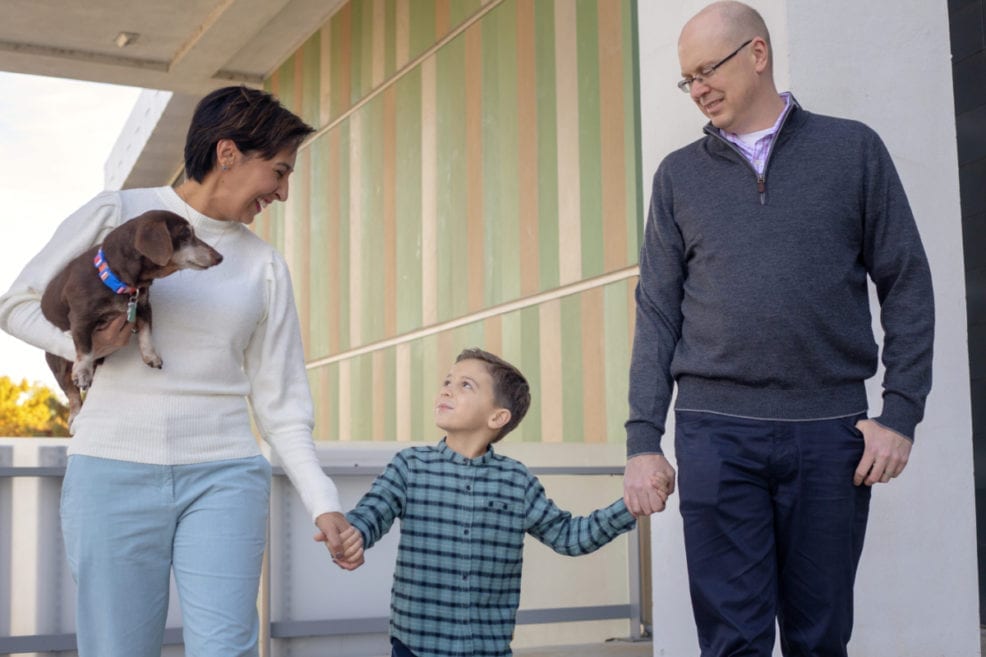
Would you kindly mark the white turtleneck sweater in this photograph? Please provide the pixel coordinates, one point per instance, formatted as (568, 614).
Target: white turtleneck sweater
(229, 339)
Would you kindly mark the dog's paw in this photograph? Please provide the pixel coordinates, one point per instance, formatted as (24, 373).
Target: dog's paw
(82, 375)
(154, 361)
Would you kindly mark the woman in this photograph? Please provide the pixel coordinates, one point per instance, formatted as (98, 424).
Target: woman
(164, 470)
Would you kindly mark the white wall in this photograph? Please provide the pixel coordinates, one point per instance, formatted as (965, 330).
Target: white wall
(887, 63)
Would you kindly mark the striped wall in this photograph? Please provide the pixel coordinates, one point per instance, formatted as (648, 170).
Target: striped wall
(473, 182)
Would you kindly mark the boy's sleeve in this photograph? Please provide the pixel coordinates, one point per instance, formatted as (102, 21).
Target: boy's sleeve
(569, 535)
(375, 513)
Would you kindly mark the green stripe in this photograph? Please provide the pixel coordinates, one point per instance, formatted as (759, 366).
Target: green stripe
(332, 398)
(505, 267)
(344, 219)
(310, 79)
(419, 410)
(422, 26)
(616, 360)
(530, 366)
(361, 397)
(356, 61)
(408, 201)
(339, 99)
(389, 38)
(590, 144)
(547, 136)
(318, 250)
(459, 11)
(571, 375)
(428, 381)
(631, 132)
(390, 394)
(451, 137)
(372, 246)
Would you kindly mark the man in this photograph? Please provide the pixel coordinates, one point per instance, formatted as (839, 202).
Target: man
(752, 299)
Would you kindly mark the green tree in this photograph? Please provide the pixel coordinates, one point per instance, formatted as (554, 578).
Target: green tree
(30, 409)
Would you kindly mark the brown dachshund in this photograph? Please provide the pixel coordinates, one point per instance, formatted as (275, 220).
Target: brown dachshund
(114, 279)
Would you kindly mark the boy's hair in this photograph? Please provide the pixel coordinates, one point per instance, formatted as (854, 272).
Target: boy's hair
(510, 389)
(255, 120)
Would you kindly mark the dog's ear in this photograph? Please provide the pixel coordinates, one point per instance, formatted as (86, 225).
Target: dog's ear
(154, 241)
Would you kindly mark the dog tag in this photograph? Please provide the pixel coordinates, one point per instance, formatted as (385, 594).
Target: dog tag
(132, 309)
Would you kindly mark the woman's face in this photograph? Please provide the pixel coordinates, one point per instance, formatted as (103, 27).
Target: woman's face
(253, 183)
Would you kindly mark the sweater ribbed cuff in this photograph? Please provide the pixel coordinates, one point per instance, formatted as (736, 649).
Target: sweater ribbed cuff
(900, 415)
(643, 438)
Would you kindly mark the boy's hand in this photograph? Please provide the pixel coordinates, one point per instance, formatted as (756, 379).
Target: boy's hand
(350, 556)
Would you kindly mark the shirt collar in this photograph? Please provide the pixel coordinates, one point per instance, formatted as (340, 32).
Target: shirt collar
(788, 99)
(455, 457)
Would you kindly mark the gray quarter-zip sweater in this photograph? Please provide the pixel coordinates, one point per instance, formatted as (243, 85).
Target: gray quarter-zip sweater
(752, 294)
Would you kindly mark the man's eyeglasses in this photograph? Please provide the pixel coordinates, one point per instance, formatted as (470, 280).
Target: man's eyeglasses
(685, 84)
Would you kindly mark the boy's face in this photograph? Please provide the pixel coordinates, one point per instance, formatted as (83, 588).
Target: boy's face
(466, 402)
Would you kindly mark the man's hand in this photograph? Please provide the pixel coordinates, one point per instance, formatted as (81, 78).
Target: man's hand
(337, 534)
(648, 481)
(110, 336)
(885, 455)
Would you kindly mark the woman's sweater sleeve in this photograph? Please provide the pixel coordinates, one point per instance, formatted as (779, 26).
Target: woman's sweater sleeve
(20, 306)
(280, 396)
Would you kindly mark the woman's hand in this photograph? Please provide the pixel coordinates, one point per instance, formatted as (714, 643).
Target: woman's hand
(110, 336)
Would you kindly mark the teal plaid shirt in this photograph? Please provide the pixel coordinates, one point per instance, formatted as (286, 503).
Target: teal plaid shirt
(457, 580)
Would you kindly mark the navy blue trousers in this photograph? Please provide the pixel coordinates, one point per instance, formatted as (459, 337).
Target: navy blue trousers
(773, 530)
(398, 649)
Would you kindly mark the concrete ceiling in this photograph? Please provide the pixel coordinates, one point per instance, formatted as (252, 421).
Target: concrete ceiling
(188, 47)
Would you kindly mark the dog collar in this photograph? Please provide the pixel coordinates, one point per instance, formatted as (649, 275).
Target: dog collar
(109, 278)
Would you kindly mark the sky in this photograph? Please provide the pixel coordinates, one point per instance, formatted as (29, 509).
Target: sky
(55, 137)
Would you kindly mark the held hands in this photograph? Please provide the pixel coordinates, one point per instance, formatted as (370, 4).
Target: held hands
(343, 541)
(648, 481)
(110, 336)
(885, 455)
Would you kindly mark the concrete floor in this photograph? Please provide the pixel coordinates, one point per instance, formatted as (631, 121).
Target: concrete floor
(612, 648)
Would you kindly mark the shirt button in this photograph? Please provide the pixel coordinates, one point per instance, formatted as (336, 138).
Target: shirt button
(466, 532)
(468, 487)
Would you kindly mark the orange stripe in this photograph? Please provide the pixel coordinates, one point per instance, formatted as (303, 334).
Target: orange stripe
(593, 372)
(493, 334)
(552, 416)
(527, 151)
(324, 405)
(474, 166)
(345, 401)
(390, 210)
(611, 135)
(325, 75)
(403, 33)
(342, 91)
(567, 115)
(429, 192)
(302, 219)
(379, 395)
(444, 354)
(378, 55)
(442, 10)
(333, 245)
(403, 392)
(299, 82)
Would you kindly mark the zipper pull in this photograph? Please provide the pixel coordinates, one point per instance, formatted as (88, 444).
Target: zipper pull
(762, 188)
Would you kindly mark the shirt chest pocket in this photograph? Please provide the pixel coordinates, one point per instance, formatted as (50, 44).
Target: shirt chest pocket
(500, 514)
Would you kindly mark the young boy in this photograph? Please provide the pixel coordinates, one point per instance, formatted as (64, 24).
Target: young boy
(464, 511)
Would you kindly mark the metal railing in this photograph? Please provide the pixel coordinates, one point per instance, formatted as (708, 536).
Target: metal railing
(294, 629)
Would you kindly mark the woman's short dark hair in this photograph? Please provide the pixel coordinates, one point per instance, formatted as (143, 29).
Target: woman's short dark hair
(254, 119)
(510, 389)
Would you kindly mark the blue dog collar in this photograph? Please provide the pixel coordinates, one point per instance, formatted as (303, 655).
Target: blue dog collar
(109, 278)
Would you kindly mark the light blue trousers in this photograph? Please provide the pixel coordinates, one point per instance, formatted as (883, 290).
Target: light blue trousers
(126, 525)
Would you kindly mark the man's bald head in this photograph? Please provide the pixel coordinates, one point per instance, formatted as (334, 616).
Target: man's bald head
(729, 21)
